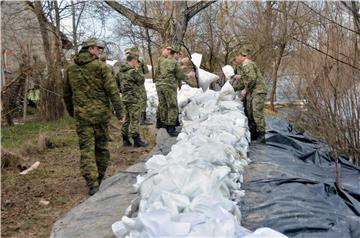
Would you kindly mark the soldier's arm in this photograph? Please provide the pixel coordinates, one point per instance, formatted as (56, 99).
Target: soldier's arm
(112, 91)
(180, 76)
(136, 76)
(248, 75)
(143, 66)
(67, 94)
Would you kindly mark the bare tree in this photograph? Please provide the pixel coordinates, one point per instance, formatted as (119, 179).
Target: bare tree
(172, 30)
(52, 105)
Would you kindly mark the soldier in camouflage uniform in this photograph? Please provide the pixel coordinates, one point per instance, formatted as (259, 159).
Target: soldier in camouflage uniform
(143, 69)
(165, 52)
(131, 81)
(249, 80)
(88, 90)
(168, 79)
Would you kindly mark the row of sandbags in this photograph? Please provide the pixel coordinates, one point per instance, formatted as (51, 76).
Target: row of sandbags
(195, 190)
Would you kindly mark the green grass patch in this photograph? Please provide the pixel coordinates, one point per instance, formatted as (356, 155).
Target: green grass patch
(13, 137)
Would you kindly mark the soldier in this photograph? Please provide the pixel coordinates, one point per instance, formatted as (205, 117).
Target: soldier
(167, 81)
(131, 81)
(252, 87)
(144, 70)
(88, 90)
(165, 52)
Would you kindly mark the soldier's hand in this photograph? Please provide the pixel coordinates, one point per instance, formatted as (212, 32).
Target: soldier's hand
(191, 74)
(121, 120)
(237, 77)
(243, 93)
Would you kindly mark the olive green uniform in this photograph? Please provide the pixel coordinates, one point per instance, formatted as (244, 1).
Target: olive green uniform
(143, 69)
(131, 82)
(253, 81)
(88, 90)
(168, 77)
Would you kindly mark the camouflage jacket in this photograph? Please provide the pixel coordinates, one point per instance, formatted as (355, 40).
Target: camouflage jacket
(144, 70)
(131, 82)
(157, 71)
(143, 67)
(251, 78)
(170, 73)
(88, 90)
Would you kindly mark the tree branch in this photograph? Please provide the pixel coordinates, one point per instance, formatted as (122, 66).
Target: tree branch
(196, 8)
(328, 55)
(135, 18)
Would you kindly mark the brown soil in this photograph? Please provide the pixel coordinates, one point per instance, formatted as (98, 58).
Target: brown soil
(57, 180)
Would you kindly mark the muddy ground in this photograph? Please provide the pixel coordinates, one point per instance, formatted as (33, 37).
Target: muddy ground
(57, 180)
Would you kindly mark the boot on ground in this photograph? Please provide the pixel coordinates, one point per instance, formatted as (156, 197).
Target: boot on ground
(138, 142)
(93, 189)
(126, 140)
(171, 130)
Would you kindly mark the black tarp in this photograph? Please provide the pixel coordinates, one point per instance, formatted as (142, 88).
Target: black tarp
(290, 186)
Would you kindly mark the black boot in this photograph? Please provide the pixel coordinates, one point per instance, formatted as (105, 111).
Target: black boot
(126, 140)
(100, 178)
(142, 118)
(171, 130)
(159, 124)
(138, 142)
(93, 189)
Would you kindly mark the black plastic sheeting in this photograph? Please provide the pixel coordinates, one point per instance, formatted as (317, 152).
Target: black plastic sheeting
(290, 187)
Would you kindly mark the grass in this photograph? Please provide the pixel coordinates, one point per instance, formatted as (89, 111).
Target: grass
(57, 180)
(13, 137)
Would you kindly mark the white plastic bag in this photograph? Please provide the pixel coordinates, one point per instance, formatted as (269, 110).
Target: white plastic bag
(205, 78)
(228, 71)
(227, 92)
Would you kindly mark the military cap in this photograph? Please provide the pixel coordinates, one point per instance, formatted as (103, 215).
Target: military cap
(173, 48)
(92, 41)
(131, 56)
(164, 45)
(244, 51)
(133, 50)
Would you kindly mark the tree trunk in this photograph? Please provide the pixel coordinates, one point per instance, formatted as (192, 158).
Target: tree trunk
(148, 39)
(274, 76)
(74, 30)
(51, 102)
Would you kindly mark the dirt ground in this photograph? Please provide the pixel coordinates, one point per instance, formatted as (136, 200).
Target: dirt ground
(57, 180)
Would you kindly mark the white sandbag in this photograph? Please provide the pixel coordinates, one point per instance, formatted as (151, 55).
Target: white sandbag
(196, 59)
(228, 71)
(149, 67)
(205, 78)
(265, 232)
(111, 62)
(185, 94)
(227, 92)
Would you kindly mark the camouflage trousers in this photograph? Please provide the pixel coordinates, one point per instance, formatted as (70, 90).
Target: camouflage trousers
(132, 123)
(95, 156)
(254, 110)
(167, 110)
(143, 102)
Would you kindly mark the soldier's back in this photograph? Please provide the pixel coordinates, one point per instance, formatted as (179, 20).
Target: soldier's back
(91, 104)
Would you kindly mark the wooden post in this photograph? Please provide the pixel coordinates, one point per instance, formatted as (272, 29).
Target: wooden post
(3, 59)
(26, 82)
